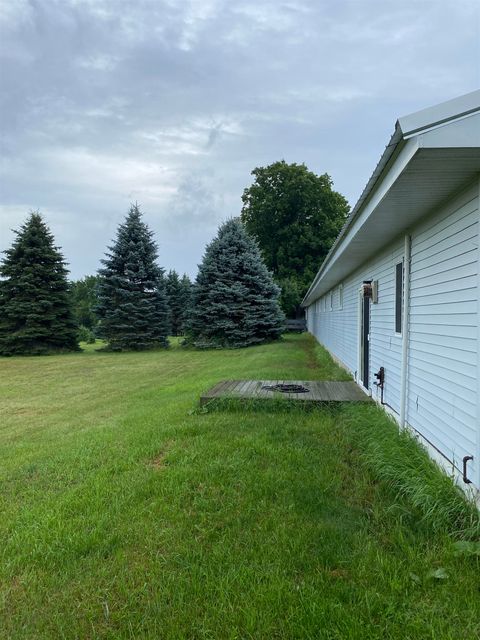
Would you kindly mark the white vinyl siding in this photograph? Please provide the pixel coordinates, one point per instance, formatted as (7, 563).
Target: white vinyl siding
(443, 347)
(338, 329)
(443, 358)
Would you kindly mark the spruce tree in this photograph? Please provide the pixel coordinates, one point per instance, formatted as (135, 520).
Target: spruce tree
(186, 294)
(179, 293)
(235, 301)
(132, 306)
(175, 301)
(35, 307)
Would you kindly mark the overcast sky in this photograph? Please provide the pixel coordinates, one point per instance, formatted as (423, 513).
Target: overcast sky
(172, 103)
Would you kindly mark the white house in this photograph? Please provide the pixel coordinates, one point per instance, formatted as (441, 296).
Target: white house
(400, 288)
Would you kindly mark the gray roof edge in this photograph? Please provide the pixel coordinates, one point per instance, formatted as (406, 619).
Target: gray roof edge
(440, 113)
(388, 152)
(405, 126)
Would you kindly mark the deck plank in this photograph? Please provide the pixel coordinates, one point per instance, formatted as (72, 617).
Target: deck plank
(319, 391)
(241, 388)
(218, 389)
(227, 391)
(264, 393)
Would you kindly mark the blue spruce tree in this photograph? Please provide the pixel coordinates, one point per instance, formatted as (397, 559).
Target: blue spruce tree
(132, 306)
(179, 292)
(174, 296)
(235, 301)
(186, 297)
(35, 307)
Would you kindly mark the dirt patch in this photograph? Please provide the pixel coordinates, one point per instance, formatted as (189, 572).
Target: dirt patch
(158, 462)
(342, 574)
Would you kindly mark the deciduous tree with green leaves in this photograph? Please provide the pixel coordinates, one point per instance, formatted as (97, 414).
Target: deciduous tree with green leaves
(295, 216)
(84, 301)
(235, 302)
(132, 305)
(35, 306)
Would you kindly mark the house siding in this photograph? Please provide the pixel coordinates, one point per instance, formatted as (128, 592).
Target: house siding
(338, 329)
(442, 400)
(443, 358)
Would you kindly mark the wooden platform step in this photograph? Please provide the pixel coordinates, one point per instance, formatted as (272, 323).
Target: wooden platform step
(318, 391)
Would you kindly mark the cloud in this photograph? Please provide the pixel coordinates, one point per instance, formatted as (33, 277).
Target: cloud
(196, 204)
(173, 103)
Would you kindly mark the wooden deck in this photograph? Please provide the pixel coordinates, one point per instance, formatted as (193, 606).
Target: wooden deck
(318, 391)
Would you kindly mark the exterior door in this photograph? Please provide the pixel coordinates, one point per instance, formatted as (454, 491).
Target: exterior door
(365, 340)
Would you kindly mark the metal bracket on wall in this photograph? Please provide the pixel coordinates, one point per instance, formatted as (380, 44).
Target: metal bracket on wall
(465, 460)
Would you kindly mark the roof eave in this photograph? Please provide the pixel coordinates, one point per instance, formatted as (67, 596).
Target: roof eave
(392, 146)
(406, 128)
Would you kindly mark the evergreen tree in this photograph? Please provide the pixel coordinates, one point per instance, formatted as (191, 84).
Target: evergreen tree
(235, 301)
(186, 293)
(132, 306)
(174, 297)
(35, 309)
(178, 296)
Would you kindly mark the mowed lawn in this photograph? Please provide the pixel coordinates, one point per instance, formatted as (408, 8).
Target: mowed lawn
(128, 513)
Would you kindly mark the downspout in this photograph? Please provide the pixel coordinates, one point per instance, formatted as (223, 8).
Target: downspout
(477, 461)
(359, 334)
(405, 326)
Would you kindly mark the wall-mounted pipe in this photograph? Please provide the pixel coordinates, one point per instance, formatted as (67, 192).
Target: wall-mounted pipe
(405, 325)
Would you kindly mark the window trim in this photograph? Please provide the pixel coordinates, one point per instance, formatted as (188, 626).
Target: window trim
(340, 296)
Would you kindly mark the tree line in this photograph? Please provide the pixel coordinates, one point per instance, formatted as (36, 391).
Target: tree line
(84, 296)
(130, 303)
(256, 266)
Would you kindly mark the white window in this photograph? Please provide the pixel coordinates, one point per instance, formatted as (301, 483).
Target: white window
(340, 296)
(331, 300)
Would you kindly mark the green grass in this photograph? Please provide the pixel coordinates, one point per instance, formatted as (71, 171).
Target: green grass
(128, 513)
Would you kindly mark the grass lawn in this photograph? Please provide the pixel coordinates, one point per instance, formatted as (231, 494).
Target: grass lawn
(125, 513)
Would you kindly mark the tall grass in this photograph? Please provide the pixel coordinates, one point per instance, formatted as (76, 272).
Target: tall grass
(396, 458)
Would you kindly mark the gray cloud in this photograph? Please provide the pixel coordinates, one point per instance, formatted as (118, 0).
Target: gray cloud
(173, 102)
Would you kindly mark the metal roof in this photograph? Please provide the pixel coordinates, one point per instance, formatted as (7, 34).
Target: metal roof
(406, 128)
(440, 113)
